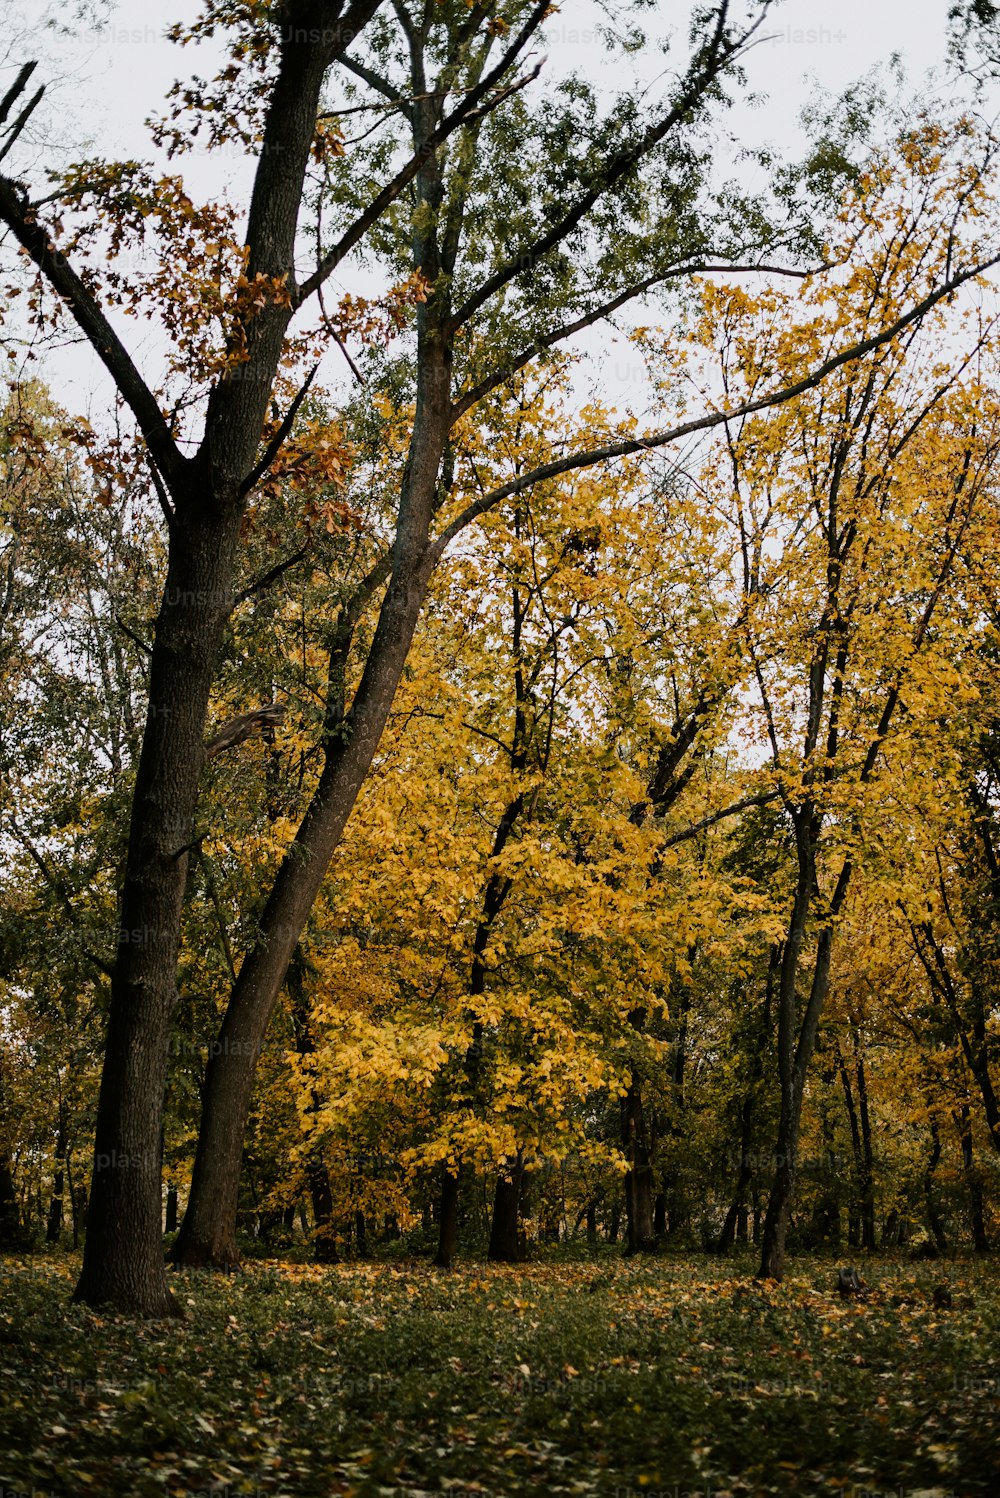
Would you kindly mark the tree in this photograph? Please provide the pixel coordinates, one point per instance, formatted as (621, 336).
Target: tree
(453, 75)
(853, 509)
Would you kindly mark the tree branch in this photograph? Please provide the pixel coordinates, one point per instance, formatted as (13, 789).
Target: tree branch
(262, 719)
(280, 437)
(477, 102)
(271, 575)
(717, 54)
(592, 456)
(20, 216)
(490, 382)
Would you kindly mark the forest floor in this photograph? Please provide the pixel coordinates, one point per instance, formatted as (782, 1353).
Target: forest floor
(663, 1377)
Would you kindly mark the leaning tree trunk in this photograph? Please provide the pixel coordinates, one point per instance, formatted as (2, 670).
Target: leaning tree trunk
(208, 1231)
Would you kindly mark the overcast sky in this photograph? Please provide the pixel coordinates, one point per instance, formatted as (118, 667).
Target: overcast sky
(122, 68)
(105, 82)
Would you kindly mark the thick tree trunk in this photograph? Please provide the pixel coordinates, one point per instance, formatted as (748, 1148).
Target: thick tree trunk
(123, 1254)
(207, 1235)
(123, 1258)
(506, 1238)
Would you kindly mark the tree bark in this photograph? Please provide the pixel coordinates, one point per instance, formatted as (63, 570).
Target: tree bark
(735, 1223)
(123, 1256)
(10, 1217)
(207, 1235)
(53, 1231)
(933, 1216)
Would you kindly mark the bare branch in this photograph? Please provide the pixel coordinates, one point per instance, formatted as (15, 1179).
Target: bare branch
(261, 719)
(271, 576)
(559, 335)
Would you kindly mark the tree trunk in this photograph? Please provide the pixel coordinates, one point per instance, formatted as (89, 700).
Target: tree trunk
(53, 1231)
(933, 1217)
(639, 1178)
(796, 1039)
(10, 1218)
(736, 1222)
(317, 1174)
(977, 1219)
(123, 1254)
(506, 1238)
(208, 1232)
(170, 1225)
(727, 1235)
(74, 1200)
(447, 1219)
(321, 1197)
(867, 1155)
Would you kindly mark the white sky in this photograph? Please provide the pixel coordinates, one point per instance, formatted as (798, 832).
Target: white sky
(103, 84)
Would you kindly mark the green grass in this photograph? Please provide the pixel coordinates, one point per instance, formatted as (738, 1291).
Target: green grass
(663, 1377)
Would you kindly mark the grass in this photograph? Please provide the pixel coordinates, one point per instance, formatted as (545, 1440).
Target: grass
(672, 1376)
